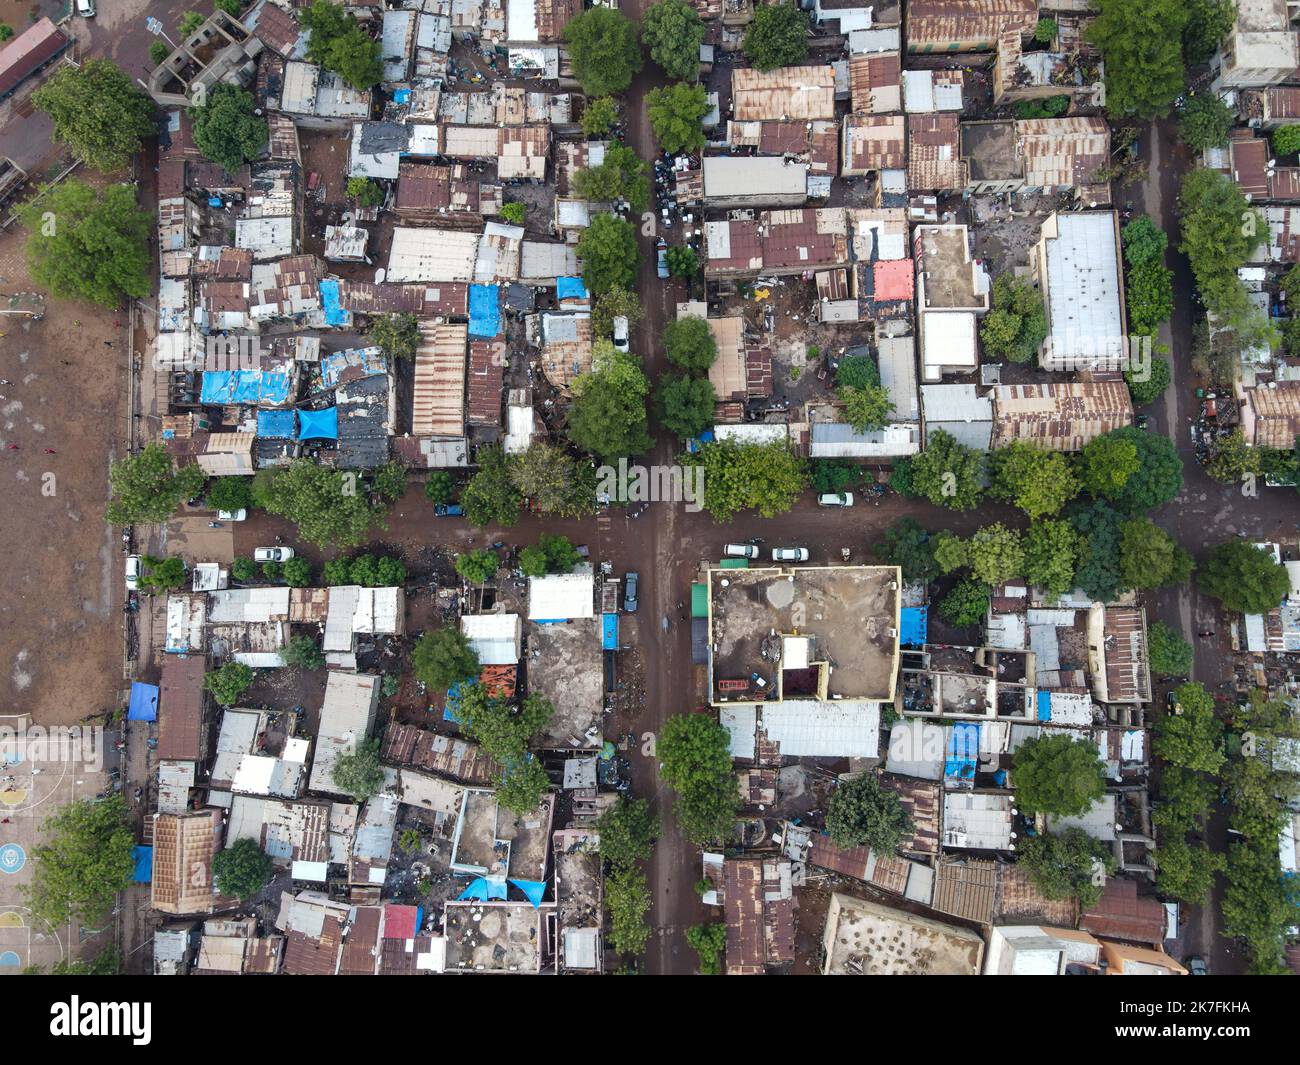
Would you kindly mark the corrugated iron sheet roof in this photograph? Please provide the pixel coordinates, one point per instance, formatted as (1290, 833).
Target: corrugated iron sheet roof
(787, 93)
(1060, 417)
(934, 153)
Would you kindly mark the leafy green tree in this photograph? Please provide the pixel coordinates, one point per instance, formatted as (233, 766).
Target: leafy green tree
(226, 128)
(162, 574)
(1147, 387)
(1149, 297)
(1052, 550)
(1016, 326)
(685, 404)
(622, 175)
(673, 32)
(366, 191)
(866, 409)
(608, 251)
(628, 831)
(682, 261)
(1045, 31)
(523, 784)
(967, 603)
(440, 487)
(1286, 140)
(832, 476)
(158, 52)
(1098, 573)
(618, 302)
(1220, 231)
(1257, 905)
(145, 489)
(514, 212)
(230, 7)
(303, 652)
(358, 773)
(1149, 557)
(491, 496)
(241, 870)
(604, 50)
(337, 571)
(398, 335)
(1059, 775)
(229, 493)
(1141, 44)
(1106, 464)
(778, 37)
(996, 554)
(1208, 22)
(108, 962)
(676, 114)
(478, 567)
(599, 117)
(690, 345)
(709, 941)
(862, 813)
(190, 21)
(1168, 653)
(339, 43)
(947, 473)
(1233, 458)
(1204, 121)
(1144, 241)
(97, 247)
(1244, 578)
(951, 552)
(1193, 737)
(768, 478)
(628, 900)
(243, 569)
(324, 504)
(1185, 872)
(695, 761)
(443, 657)
(1064, 866)
(1185, 799)
(554, 481)
(910, 547)
(552, 554)
(608, 413)
(97, 111)
(1158, 478)
(83, 864)
(1039, 482)
(504, 731)
(229, 682)
(532, 562)
(857, 371)
(390, 482)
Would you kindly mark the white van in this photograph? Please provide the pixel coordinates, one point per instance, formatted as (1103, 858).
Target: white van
(86, 8)
(620, 333)
(835, 499)
(740, 551)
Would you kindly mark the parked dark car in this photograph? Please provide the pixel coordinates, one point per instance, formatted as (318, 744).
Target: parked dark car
(630, 601)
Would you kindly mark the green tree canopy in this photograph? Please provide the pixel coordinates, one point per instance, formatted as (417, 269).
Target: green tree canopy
(1148, 385)
(608, 251)
(685, 404)
(491, 496)
(616, 302)
(1219, 232)
(1149, 557)
(1016, 326)
(622, 175)
(1052, 551)
(88, 245)
(866, 409)
(947, 473)
(1158, 478)
(440, 487)
(676, 114)
(146, 489)
(162, 574)
(1065, 865)
(603, 48)
(328, 506)
(339, 43)
(97, 111)
(242, 869)
(1244, 578)
(1144, 241)
(1169, 654)
(443, 657)
(1192, 737)
(1208, 22)
(709, 941)
(628, 831)
(1141, 44)
(1186, 798)
(599, 117)
(1286, 140)
(695, 761)
(1185, 871)
(229, 493)
(628, 900)
(857, 371)
(1204, 121)
(682, 261)
(229, 682)
(84, 862)
(478, 567)
(1059, 775)
(397, 334)
(690, 345)
(523, 784)
(226, 129)
(1039, 482)
(966, 604)
(862, 813)
(778, 36)
(608, 413)
(1098, 572)
(303, 652)
(996, 554)
(503, 730)
(910, 547)
(673, 32)
(554, 480)
(768, 478)
(358, 773)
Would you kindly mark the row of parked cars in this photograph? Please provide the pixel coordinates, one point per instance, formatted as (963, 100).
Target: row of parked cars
(779, 554)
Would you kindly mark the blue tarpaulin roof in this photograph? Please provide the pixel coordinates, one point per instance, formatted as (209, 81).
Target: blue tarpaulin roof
(214, 201)
(609, 632)
(483, 889)
(484, 310)
(319, 424)
(453, 701)
(221, 387)
(568, 288)
(275, 424)
(1044, 706)
(143, 858)
(144, 702)
(963, 751)
(534, 889)
(329, 299)
(915, 623)
(401, 95)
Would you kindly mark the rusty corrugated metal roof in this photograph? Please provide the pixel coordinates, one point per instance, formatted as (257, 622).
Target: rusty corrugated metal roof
(786, 93)
(438, 395)
(1060, 416)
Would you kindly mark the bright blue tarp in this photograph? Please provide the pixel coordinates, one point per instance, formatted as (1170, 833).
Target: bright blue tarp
(484, 311)
(275, 424)
(144, 702)
(915, 626)
(318, 424)
(570, 288)
(143, 858)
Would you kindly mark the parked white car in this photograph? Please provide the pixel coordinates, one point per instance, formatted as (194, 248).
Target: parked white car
(835, 499)
(232, 515)
(86, 8)
(132, 572)
(620, 333)
(740, 551)
(272, 554)
(789, 554)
